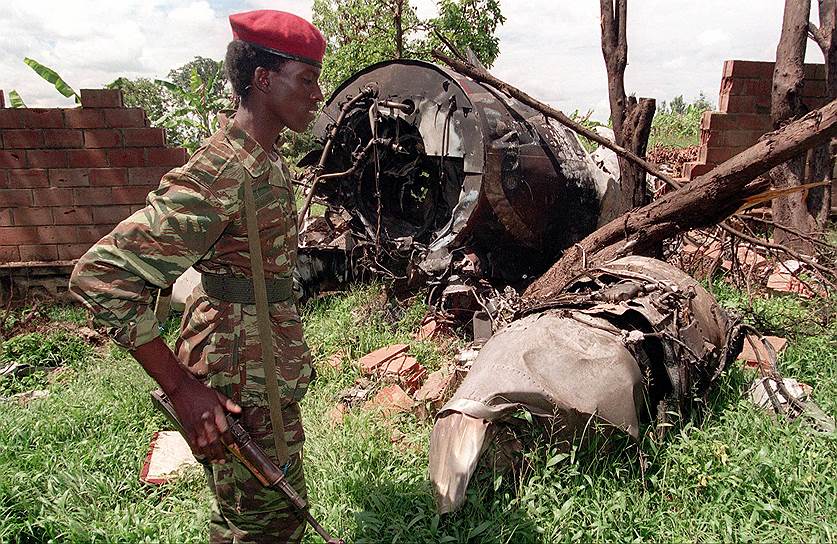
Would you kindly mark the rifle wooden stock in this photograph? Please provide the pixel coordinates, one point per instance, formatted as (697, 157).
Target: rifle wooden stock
(255, 459)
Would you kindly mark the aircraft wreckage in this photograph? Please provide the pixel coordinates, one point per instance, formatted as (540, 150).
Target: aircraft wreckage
(433, 179)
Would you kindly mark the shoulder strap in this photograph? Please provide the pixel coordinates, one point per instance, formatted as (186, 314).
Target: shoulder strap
(265, 331)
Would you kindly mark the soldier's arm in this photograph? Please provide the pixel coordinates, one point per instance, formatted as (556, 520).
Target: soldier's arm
(200, 409)
(117, 277)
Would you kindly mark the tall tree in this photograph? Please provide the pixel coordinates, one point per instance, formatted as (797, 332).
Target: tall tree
(807, 211)
(631, 118)
(363, 32)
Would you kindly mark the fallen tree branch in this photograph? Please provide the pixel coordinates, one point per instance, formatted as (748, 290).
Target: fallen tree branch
(705, 201)
(778, 247)
(480, 75)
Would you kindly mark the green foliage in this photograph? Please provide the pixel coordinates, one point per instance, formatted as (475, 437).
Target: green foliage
(362, 32)
(69, 463)
(186, 106)
(587, 122)
(677, 124)
(52, 76)
(40, 352)
(15, 100)
(469, 24)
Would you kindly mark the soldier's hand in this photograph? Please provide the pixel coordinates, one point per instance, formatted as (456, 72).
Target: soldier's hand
(202, 413)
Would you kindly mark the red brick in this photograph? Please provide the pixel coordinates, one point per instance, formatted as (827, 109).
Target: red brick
(717, 155)
(813, 88)
(46, 158)
(10, 118)
(63, 138)
(32, 216)
(87, 158)
(25, 178)
(4, 179)
(129, 195)
(101, 98)
(6, 218)
(149, 175)
(42, 118)
(103, 137)
(692, 170)
(74, 215)
(712, 138)
(15, 197)
(814, 72)
(391, 399)
(167, 156)
(54, 197)
(12, 159)
(137, 207)
(69, 252)
(741, 138)
(737, 103)
(9, 254)
(109, 215)
(144, 137)
(22, 139)
(84, 118)
(93, 233)
(376, 361)
(35, 235)
(69, 177)
(108, 177)
(735, 121)
(99, 196)
(126, 157)
(815, 103)
(39, 252)
(748, 69)
(125, 118)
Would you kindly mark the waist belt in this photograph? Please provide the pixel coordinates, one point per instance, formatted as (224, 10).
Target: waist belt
(239, 289)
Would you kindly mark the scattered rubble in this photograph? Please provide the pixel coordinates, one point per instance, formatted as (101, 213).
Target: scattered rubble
(169, 456)
(755, 358)
(391, 400)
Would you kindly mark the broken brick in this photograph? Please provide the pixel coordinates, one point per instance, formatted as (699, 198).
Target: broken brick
(336, 415)
(335, 361)
(752, 357)
(391, 400)
(434, 388)
(374, 362)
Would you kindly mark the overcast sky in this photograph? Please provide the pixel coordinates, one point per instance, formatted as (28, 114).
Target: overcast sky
(549, 48)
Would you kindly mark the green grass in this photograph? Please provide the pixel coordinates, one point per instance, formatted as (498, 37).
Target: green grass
(69, 463)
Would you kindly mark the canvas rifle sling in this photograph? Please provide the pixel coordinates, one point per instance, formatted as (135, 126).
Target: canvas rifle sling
(265, 332)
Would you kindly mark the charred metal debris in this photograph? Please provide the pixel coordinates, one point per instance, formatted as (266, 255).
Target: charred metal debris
(430, 178)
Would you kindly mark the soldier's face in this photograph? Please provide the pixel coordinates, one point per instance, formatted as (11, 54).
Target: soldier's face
(295, 94)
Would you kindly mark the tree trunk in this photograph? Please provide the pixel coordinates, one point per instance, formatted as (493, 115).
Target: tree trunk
(705, 201)
(823, 161)
(399, 29)
(631, 118)
(797, 210)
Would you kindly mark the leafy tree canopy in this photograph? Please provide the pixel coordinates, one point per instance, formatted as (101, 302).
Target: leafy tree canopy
(363, 32)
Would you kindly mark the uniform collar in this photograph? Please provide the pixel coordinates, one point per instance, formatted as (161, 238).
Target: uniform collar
(248, 151)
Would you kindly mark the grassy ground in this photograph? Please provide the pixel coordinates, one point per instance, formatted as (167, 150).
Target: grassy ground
(69, 463)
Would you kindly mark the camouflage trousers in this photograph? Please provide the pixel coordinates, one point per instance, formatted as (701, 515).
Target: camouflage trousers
(220, 342)
(244, 511)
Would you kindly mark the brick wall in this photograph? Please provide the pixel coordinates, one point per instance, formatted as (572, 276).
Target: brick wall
(744, 111)
(68, 175)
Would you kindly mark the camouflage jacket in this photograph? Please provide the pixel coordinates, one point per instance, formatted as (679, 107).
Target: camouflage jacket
(195, 217)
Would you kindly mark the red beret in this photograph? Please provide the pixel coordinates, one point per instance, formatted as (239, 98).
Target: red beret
(281, 33)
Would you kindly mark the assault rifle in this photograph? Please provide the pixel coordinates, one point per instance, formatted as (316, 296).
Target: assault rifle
(255, 459)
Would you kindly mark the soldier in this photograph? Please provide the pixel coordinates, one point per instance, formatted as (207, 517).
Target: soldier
(196, 217)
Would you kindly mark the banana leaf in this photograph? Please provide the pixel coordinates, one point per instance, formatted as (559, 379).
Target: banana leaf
(15, 100)
(52, 77)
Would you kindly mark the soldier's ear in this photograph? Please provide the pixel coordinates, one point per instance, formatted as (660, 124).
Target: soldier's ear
(261, 79)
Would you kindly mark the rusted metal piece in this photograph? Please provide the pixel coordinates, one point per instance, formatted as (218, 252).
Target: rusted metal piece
(435, 163)
(624, 344)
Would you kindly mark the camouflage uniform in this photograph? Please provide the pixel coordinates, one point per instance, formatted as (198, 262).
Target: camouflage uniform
(196, 217)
